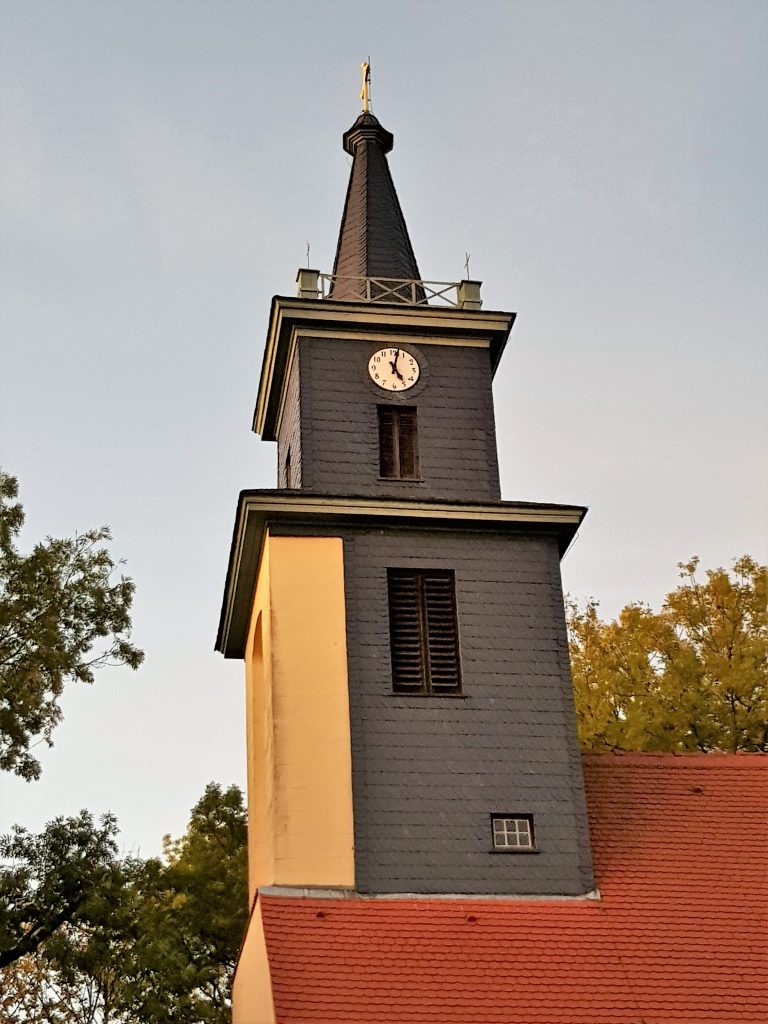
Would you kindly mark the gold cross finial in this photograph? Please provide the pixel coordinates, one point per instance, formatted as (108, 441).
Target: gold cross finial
(365, 92)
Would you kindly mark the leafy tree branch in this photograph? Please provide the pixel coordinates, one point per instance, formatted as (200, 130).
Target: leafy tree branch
(692, 676)
(63, 612)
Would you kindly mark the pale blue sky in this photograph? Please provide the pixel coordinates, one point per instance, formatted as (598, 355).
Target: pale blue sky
(164, 165)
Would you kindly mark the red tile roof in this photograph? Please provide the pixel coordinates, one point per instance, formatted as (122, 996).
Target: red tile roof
(681, 859)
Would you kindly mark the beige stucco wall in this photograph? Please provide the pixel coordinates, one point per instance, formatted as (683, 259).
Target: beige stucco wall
(314, 836)
(252, 1001)
(297, 707)
(300, 826)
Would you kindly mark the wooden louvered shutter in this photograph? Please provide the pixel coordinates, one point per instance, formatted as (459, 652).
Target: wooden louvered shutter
(388, 455)
(407, 446)
(406, 632)
(442, 634)
(423, 632)
(398, 447)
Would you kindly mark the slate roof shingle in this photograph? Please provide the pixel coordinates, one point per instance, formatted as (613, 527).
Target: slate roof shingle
(373, 239)
(679, 934)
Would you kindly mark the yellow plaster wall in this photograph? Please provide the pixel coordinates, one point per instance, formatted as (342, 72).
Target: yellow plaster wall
(314, 837)
(299, 758)
(252, 1001)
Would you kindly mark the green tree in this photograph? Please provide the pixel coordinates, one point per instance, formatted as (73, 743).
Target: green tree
(192, 917)
(61, 875)
(56, 604)
(692, 676)
(83, 964)
(152, 941)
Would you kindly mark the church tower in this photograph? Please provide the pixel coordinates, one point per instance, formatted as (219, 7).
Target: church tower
(410, 724)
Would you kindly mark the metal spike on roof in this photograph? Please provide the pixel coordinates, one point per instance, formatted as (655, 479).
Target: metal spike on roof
(373, 240)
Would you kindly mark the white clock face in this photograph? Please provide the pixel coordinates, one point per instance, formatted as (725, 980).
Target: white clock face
(393, 369)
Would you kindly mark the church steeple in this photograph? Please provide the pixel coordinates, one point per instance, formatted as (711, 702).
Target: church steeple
(409, 700)
(373, 240)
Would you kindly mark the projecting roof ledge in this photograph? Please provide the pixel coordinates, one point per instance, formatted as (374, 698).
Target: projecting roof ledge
(289, 315)
(257, 510)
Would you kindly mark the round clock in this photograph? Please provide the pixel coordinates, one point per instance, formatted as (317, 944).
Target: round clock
(393, 369)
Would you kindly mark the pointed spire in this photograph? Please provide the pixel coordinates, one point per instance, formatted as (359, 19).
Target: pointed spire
(373, 240)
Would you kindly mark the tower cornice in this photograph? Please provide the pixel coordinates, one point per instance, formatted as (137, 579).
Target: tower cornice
(290, 316)
(258, 510)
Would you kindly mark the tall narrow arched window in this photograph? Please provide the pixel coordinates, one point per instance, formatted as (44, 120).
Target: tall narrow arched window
(257, 657)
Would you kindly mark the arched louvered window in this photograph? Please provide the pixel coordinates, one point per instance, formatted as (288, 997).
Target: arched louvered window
(423, 631)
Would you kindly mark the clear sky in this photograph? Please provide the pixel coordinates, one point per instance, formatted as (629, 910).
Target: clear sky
(164, 165)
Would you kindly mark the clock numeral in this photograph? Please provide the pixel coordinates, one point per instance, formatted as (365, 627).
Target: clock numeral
(393, 369)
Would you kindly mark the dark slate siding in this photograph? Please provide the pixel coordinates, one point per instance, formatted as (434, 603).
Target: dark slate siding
(428, 772)
(289, 435)
(373, 241)
(457, 439)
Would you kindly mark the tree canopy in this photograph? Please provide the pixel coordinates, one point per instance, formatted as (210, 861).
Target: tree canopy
(192, 909)
(151, 941)
(57, 604)
(52, 878)
(692, 676)
(85, 935)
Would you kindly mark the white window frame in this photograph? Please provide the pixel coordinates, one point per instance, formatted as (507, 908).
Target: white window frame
(512, 833)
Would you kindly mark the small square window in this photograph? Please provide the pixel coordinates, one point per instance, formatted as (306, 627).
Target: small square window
(512, 833)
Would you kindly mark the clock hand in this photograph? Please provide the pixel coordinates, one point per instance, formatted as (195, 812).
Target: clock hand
(393, 364)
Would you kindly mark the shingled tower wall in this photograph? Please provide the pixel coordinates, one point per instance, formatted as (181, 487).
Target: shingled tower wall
(402, 626)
